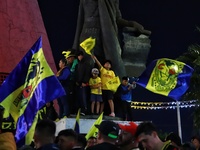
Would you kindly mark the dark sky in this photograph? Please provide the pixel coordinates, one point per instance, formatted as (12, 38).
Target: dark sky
(173, 25)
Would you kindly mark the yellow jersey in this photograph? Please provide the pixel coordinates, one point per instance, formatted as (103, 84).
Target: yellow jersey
(93, 82)
(106, 76)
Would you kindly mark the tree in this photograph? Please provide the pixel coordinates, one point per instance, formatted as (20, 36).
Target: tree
(192, 58)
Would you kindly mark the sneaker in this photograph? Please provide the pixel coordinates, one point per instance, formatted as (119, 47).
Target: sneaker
(112, 115)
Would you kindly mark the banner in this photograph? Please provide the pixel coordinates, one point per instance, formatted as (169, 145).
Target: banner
(29, 87)
(167, 77)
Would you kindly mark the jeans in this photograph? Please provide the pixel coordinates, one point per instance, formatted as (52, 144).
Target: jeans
(82, 98)
(63, 106)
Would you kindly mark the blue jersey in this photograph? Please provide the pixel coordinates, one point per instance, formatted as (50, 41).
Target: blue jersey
(125, 93)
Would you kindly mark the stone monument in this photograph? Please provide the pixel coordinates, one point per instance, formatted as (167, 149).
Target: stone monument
(135, 52)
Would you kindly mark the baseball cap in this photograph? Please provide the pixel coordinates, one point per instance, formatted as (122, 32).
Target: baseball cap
(69, 53)
(109, 128)
(129, 127)
(95, 70)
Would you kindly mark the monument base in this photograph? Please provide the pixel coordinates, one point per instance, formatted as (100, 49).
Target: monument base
(86, 123)
(135, 52)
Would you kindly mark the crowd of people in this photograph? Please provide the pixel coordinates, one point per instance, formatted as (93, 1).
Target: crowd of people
(87, 88)
(111, 136)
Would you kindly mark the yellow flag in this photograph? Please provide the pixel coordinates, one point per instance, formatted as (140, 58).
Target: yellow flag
(30, 133)
(113, 84)
(93, 130)
(88, 45)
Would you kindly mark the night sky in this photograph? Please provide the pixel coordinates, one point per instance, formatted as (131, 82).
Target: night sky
(173, 25)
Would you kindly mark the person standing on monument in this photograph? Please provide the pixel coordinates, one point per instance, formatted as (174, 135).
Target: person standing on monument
(63, 76)
(82, 76)
(125, 94)
(100, 19)
(106, 75)
(95, 91)
(72, 62)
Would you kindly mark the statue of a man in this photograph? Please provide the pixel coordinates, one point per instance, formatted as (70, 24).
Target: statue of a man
(100, 19)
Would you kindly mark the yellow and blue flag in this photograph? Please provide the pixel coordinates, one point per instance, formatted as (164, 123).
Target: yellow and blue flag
(167, 77)
(29, 87)
(30, 133)
(94, 130)
(77, 122)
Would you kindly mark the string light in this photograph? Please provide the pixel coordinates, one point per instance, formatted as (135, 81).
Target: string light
(163, 105)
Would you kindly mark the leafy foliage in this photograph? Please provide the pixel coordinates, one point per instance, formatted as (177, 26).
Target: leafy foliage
(192, 58)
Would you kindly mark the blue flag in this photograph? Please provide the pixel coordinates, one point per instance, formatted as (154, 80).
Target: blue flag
(167, 77)
(27, 88)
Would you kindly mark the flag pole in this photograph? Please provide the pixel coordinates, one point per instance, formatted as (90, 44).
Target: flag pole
(179, 120)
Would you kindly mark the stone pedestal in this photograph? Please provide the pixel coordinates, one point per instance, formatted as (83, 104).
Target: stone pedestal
(84, 123)
(135, 52)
